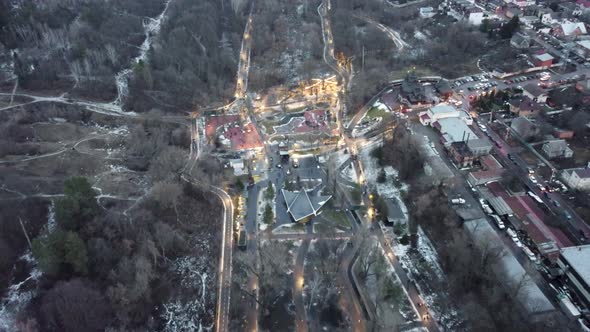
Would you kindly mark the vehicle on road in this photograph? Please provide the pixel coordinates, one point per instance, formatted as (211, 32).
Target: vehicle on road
(498, 221)
(514, 237)
(535, 197)
(533, 179)
(529, 253)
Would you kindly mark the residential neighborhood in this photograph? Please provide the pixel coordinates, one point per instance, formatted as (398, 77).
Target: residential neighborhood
(304, 165)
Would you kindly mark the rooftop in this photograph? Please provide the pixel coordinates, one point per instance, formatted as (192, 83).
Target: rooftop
(300, 204)
(544, 57)
(455, 128)
(570, 27)
(394, 210)
(555, 145)
(533, 89)
(442, 109)
(583, 173)
(584, 43)
(578, 258)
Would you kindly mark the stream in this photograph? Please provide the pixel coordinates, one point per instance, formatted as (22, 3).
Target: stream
(151, 28)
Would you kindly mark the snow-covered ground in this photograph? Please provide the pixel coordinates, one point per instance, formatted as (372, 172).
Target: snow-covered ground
(187, 313)
(448, 316)
(151, 29)
(19, 294)
(291, 228)
(371, 172)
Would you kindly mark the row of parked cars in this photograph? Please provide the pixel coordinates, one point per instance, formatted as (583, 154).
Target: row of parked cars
(475, 78)
(509, 231)
(542, 76)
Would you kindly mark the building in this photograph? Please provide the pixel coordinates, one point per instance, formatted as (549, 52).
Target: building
(570, 29)
(456, 130)
(563, 133)
(412, 90)
(427, 12)
(461, 155)
(520, 41)
(524, 106)
(238, 167)
(577, 178)
(512, 11)
(395, 213)
(543, 60)
(482, 177)
(524, 127)
(530, 21)
(444, 88)
(557, 149)
(535, 92)
(440, 111)
(575, 264)
(302, 206)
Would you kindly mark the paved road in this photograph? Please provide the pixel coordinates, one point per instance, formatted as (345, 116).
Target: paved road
(298, 283)
(225, 264)
(244, 59)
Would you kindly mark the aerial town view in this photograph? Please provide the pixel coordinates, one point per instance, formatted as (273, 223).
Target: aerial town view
(294, 165)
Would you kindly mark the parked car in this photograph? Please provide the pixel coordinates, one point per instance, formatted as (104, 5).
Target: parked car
(529, 253)
(498, 221)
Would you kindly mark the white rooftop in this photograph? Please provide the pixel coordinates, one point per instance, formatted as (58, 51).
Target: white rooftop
(544, 57)
(455, 130)
(569, 27)
(442, 108)
(578, 259)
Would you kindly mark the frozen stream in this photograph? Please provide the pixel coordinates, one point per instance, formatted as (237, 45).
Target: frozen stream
(152, 28)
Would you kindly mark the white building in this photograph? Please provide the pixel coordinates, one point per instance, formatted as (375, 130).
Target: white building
(238, 166)
(440, 111)
(577, 178)
(427, 12)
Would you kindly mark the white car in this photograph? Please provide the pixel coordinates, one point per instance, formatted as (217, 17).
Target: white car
(533, 179)
(514, 237)
(498, 221)
(529, 254)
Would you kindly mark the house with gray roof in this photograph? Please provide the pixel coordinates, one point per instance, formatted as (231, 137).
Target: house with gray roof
(524, 127)
(520, 41)
(395, 213)
(302, 206)
(557, 149)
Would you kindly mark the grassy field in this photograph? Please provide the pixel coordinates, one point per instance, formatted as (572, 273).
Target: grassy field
(376, 112)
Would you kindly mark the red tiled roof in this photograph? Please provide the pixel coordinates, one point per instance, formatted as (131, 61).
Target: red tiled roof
(490, 162)
(215, 122)
(244, 139)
